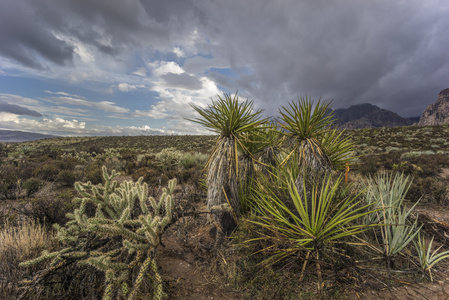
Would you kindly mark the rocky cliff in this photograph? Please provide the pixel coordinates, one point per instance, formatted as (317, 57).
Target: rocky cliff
(437, 113)
(368, 116)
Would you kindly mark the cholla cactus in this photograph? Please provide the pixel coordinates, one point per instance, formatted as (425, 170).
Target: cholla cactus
(124, 211)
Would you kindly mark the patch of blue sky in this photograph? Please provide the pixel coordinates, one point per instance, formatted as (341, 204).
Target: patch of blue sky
(134, 100)
(25, 87)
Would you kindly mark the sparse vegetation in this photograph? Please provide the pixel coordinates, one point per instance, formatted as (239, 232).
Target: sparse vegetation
(327, 231)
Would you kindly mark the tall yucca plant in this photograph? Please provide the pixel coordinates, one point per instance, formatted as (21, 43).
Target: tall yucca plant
(254, 145)
(232, 120)
(319, 147)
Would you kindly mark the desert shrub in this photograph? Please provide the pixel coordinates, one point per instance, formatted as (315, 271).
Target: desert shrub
(430, 189)
(32, 185)
(94, 174)
(48, 205)
(190, 160)
(150, 175)
(190, 175)
(49, 210)
(388, 160)
(169, 157)
(68, 163)
(46, 152)
(406, 167)
(367, 165)
(23, 171)
(8, 187)
(130, 167)
(95, 149)
(66, 177)
(4, 150)
(430, 164)
(47, 171)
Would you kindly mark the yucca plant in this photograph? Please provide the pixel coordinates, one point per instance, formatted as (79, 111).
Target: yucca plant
(427, 258)
(319, 146)
(387, 193)
(311, 228)
(232, 120)
(269, 156)
(255, 147)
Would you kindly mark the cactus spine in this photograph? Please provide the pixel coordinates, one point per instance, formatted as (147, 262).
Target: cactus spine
(124, 211)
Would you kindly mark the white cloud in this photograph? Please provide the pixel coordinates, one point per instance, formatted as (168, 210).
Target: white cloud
(125, 87)
(140, 72)
(16, 99)
(46, 125)
(7, 117)
(78, 100)
(178, 52)
(165, 67)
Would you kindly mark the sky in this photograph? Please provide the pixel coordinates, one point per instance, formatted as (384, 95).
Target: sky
(132, 67)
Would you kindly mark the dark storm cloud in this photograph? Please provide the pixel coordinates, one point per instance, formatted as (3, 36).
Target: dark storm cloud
(18, 110)
(32, 30)
(389, 53)
(25, 38)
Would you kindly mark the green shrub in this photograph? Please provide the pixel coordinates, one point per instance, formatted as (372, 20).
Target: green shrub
(47, 172)
(94, 174)
(190, 160)
(66, 177)
(169, 157)
(32, 185)
(430, 189)
(150, 176)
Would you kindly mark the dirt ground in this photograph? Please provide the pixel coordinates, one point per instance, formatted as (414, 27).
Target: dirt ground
(187, 275)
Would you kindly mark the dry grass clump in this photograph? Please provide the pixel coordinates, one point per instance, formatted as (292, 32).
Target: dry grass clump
(26, 238)
(19, 241)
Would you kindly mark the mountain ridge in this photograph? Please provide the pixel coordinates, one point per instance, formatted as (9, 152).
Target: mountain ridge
(367, 115)
(15, 136)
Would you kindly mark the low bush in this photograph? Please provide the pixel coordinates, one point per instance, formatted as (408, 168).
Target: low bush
(94, 174)
(66, 178)
(47, 171)
(32, 185)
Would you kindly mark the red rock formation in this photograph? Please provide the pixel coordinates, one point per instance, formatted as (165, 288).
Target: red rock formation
(437, 113)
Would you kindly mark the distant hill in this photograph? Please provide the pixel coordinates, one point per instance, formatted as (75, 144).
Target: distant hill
(369, 116)
(20, 136)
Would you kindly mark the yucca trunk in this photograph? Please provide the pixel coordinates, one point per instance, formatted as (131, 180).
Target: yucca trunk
(269, 160)
(313, 163)
(222, 175)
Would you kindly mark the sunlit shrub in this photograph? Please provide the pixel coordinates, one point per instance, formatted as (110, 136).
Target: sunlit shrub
(169, 157)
